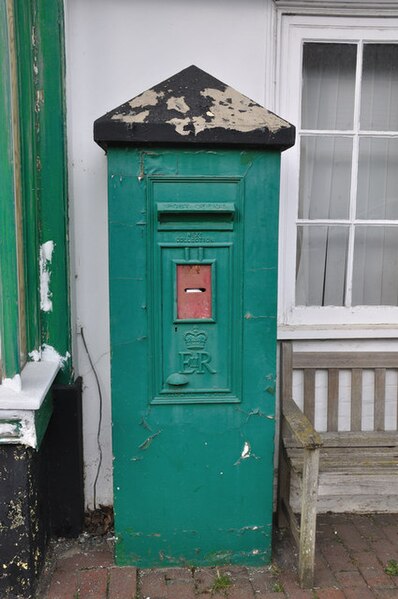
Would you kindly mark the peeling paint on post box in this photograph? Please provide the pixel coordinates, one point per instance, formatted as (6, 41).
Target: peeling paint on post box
(193, 275)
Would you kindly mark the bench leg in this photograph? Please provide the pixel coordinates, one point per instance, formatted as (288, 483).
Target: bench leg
(308, 517)
(283, 488)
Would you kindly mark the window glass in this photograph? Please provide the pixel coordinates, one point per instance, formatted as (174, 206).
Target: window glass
(379, 99)
(375, 280)
(321, 265)
(328, 86)
(325, 177)
(377, 196)
(328, 255)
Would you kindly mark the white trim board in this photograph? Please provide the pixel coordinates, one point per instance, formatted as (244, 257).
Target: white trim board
(384, 8)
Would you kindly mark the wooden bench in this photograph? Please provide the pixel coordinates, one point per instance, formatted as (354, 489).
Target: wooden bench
(354, 454)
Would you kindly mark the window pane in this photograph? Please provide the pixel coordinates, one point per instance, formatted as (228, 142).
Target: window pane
(378, 178)
(328, 86)
(379, 103)
(321, 265)
(325, 177)
(375, 276)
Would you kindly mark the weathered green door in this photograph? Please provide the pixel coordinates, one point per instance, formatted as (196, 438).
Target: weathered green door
(193, 279)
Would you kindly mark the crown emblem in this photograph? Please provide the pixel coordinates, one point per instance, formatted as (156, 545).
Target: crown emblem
(195, 339)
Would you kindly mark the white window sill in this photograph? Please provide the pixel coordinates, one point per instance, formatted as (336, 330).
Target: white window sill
(36, 380)
(18, 409)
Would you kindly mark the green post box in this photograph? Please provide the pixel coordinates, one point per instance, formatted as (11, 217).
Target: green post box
(193, 234)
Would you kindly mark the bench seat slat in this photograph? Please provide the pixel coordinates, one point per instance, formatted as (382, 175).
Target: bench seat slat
(351, 461)
(355, 439)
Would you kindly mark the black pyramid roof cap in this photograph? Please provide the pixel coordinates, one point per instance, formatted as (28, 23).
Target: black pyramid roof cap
(193, 108)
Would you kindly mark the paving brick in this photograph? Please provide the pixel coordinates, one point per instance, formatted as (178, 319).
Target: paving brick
(351, 537)
(291, 587)
(263, 580)
(365, 559)
(376, 577)
(351, 580)
(330, 593)
(122, 583)
(358, 594)
(386, 519)
(326, 529)
(63, 586)
(152, 584)
(386, 593)
(85, 560)
(178, 574)
(204, 579)
(367, 527)
(241, 589)
(93, 583)
(384, 550)
(238, 593)
(233, 570)
(180, 589)
(337, 557)
(371, 569)
(238, 575)
(323, 576)
(270, 595)
(391, 533)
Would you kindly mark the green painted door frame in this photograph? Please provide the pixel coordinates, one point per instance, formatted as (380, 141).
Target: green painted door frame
(9, 312)
(32, 116)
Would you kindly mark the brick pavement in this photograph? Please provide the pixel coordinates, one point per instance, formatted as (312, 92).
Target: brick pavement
(352, 553)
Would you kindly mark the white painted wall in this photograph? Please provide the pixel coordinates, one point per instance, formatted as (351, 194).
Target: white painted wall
(115, 50)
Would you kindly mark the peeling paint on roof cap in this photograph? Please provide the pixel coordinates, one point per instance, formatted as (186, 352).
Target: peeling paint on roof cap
(193, 108)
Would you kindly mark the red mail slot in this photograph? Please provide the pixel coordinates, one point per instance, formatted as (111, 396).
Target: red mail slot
(193, 291)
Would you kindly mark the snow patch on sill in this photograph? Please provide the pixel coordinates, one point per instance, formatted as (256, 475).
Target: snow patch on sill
(47, 353)
(14, 384)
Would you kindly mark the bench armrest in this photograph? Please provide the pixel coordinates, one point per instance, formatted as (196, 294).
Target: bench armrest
(299, 425)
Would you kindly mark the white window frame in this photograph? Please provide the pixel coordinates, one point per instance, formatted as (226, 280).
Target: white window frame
(329, 321)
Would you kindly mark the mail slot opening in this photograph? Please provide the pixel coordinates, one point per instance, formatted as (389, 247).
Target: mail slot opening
(190, 216)
(194, 292)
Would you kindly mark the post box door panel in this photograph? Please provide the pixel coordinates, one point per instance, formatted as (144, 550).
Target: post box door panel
(196, 292)
(197, 327)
